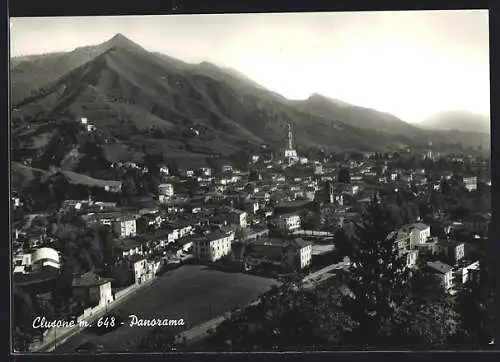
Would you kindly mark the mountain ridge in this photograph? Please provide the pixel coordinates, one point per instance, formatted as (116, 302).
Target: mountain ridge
(147, 100)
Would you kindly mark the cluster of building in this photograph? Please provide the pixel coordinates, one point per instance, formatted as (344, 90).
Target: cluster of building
(252, 219)
(444, 258)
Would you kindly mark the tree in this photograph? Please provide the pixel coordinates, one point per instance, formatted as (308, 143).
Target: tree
(476, 306)
(23, 318)
(153, 162)
(344, 175)
(129, 185)
(377, 278)
(425, 319)
(108, 246)
(288, 317)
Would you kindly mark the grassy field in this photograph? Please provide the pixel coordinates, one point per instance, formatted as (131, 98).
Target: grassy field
(77, 178)
(22, 175)
(192, 292)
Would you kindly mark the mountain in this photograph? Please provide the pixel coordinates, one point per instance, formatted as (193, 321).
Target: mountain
(458, 120)
(142, 101)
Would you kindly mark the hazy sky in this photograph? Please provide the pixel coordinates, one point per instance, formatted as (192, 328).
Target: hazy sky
(411, 64)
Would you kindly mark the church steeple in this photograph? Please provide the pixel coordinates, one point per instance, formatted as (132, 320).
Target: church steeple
(290, 137)
(290, 152)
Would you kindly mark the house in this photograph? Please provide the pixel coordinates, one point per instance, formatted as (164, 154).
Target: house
(235, 217)
(287, 223)
(251, 206)
(161, 237)
(290, 255)
(299, 254)
(411, 258)
(419, 233)
(164, 171)
(68, 205)
(142, 269)
(254, 233)
(470, 183)
(102, 206)
(466, 271)
(166, 189)
(402, 240)
(185, 244)
(147, 222)
(43, 258)
(227, 168)
(181, 227)
(16, 202)
(443, 272)
(453, 251)
(213, 246)
(113, 186)
(91, 289)
(206, 171)
(125, 227)
(128, 247)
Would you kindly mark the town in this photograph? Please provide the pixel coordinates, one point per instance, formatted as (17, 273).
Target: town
(278, 216)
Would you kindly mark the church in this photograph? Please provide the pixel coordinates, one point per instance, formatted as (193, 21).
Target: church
(290, 153)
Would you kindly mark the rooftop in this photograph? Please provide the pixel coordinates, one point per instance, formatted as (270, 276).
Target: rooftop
(439, 266)
(295, 203)
(420, 226)
(127, 244)
(89, 279)
(135, 258)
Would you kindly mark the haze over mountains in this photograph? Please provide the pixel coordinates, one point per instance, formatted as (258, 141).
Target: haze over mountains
(140, 100)
(458, 120)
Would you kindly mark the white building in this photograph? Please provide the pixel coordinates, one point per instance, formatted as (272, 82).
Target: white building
(45, 257)
(470, 183)
(236, 217)
(213, 246)
(125, 227)
(411, 258)
(206, 171)
(464, 273)
(38, 260)
(227, 168)
(113, 186)
(419, 233)
(287, 223)
(142, 269)
(166, 190)
(299, 254)
(164, 171)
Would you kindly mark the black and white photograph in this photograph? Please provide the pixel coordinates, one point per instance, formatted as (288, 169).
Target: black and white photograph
(260, 182)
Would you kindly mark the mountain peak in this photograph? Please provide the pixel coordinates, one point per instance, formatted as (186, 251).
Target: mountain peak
(120, 40)
(316, 97)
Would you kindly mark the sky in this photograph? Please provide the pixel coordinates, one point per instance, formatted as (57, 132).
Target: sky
(412, 64)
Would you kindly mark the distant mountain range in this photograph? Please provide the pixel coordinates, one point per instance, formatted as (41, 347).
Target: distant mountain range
(142, 101)
(458, 120)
